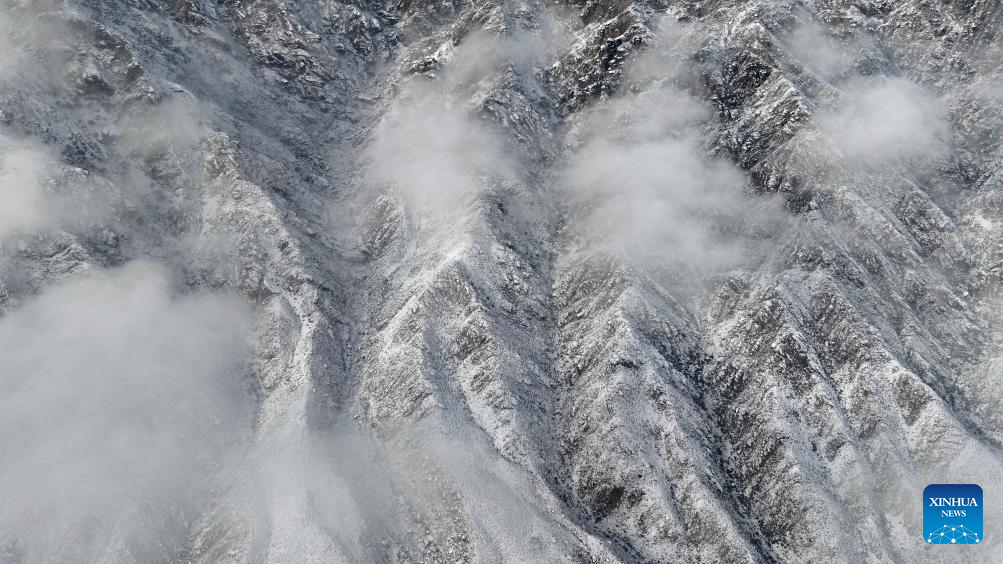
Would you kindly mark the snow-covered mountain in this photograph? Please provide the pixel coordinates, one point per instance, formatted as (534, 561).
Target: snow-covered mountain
(587, 281)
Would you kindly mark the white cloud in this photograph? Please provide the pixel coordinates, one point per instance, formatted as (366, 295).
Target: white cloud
(433, 153)
(644, 182)
(23, 197)
(887, 119)
(116, 393)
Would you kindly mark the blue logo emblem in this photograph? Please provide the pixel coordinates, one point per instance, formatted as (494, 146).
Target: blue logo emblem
(952, 514)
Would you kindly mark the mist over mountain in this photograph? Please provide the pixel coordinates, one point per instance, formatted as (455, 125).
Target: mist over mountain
(478, 281)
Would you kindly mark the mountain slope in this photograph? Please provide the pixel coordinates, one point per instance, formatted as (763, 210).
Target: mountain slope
(598, 282)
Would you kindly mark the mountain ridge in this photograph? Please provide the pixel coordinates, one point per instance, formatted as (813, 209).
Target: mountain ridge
(686, 281)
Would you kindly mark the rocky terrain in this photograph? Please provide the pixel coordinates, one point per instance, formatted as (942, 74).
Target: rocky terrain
(479, 281)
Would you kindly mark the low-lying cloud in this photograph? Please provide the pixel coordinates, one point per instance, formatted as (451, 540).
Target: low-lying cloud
(40, 193)
(646, 185)
(433, 153)
(887, 119)
(22, 184)
(119, 396)
(432, 146)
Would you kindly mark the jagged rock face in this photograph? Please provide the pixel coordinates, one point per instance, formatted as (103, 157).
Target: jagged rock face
(476, 281)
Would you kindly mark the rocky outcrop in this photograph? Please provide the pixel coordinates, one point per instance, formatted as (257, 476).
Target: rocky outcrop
(598, 282)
